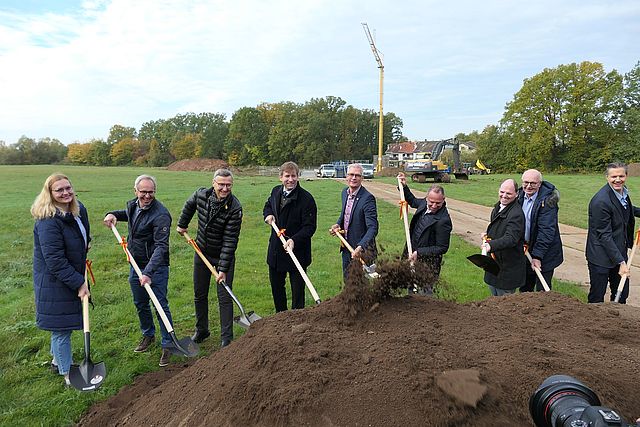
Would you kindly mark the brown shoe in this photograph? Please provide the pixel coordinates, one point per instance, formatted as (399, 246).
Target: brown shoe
(164, 359)
(144, 344)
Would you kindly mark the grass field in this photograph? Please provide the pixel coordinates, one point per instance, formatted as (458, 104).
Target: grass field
(28, 390)
(575, 192)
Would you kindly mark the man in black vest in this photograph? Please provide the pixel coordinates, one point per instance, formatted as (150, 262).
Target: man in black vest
(611, 230)
(219, 221)
(430, 230)
(294, 211)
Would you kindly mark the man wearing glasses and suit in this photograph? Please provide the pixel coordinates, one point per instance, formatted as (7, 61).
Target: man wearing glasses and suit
(358, 218)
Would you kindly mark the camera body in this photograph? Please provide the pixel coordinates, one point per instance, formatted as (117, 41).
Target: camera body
(563, 401)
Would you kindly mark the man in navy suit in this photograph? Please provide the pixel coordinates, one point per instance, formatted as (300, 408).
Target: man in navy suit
(430, 230)
(610, 235)
(358, 218)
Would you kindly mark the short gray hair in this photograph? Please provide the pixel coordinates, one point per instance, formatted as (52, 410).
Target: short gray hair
(355, 165)
(223, 172)
(142, 178)
(435, 188)
(616, 165)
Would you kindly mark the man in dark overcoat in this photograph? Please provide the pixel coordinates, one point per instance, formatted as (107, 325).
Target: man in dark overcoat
(295, 213)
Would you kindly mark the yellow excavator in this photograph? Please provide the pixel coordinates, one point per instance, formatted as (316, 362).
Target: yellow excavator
(432, 168)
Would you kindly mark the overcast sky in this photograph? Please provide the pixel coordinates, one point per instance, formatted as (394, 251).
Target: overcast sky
(72, 69)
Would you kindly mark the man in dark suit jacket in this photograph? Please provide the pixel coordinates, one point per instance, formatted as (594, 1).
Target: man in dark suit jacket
(430, 230)
(611, 229)
(294, 211)
(505, 241)
(358, 218)
(539, 201)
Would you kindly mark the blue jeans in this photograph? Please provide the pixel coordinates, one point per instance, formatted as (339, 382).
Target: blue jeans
(141, 299)
(61, 350)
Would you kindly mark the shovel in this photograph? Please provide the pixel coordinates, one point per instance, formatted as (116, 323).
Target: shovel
(184, 346)
(623, 278)
(244, 320)
(404, 214)
(369, 269)
(314, 294)
(537, 270)
(88, 376)
(485, 262)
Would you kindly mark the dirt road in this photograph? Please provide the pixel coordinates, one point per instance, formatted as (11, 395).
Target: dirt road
(469, 220)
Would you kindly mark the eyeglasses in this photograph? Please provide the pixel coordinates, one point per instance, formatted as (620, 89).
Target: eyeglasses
(147, 193)
(530, 184)
(354, 175)
(223, 184)
(62, 190)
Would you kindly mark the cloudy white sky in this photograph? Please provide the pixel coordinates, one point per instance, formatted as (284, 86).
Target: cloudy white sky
(71, 69)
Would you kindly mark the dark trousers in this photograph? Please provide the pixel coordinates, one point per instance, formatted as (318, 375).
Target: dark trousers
(532, 280)
(201, 284)
(142, 301)
(279, 292)
(599, 277)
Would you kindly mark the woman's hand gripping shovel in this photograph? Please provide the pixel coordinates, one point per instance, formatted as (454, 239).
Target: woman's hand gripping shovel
(280, 234)
(624, 277)
(536, 269)
(484, 261)
(88, 376)
(369, 269)
(184, 346)
(244, 320)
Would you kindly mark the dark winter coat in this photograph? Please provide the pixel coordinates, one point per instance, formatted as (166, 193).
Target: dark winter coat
(506, 231)
(148, 239)
(299, 217)
(611, 229)
(363, 223)
(218, 227)
(544, 235)
(434, 238)
(59, 256)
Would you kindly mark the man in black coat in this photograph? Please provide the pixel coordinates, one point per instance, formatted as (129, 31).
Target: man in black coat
(539, 201)
(610, 235)
(148, 241)
(294, 211)
(358, 218)
(430, 230)
(505, 242)
(219, 221)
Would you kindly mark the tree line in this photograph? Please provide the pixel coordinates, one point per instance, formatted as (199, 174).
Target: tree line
(575, 117)
(320, 130)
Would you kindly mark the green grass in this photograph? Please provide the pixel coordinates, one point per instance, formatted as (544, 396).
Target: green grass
(28, 390)
(575, 192)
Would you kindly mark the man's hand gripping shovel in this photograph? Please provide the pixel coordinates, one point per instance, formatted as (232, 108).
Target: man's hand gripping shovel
(312, 290)
(370, 270)
(185, 346)
(624, 277)
(536, 269)
(244, 320)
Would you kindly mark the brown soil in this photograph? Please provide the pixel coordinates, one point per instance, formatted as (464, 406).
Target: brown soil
(201, 165)
(634, 169)
(368, 357)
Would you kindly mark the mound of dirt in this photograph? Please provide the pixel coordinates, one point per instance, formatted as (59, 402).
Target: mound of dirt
(368, 357)
(201, 165)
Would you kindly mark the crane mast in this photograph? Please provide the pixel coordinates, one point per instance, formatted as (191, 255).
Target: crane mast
(376, 54)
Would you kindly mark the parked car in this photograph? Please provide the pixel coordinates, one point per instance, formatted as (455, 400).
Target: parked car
(326, 171)
(367, 170)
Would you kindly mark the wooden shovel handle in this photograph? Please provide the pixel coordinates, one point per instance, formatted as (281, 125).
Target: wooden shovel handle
(624, 277)
(538, 272)
(306, 279)
(348, 246)
(405, 217)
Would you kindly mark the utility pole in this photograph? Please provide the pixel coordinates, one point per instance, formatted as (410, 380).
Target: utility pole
(376, 54)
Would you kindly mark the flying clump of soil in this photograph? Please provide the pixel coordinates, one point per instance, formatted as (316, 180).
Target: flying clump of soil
(371, 356)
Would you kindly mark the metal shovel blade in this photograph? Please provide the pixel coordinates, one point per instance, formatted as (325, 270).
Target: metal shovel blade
(185, 346)
(88, 376)
(246, 321)
(485, 262)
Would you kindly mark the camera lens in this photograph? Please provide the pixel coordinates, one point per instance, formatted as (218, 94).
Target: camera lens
(559, 400)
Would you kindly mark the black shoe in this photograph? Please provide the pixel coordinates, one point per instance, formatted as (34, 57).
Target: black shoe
(224, 343)
(164, 358)
(144, 344)
(200, 336)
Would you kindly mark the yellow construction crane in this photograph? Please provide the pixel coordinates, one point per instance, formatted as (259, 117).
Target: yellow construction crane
(376, 54)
